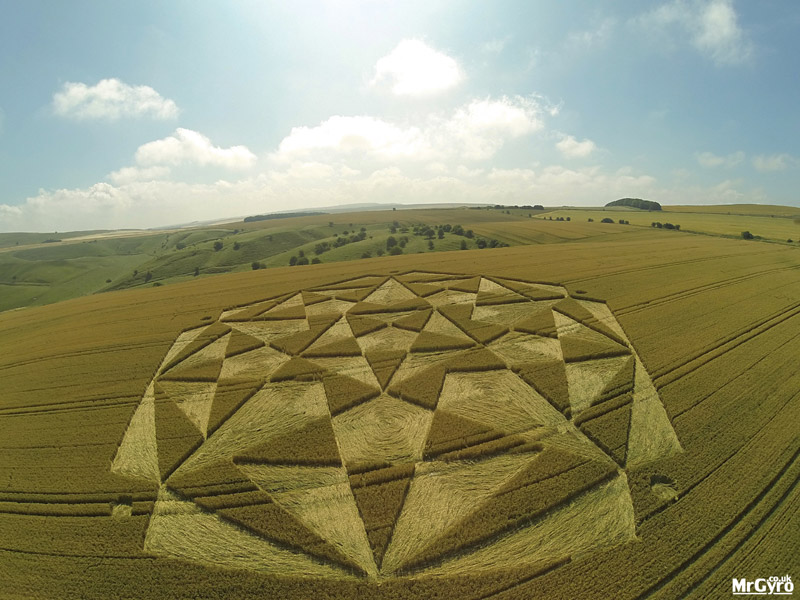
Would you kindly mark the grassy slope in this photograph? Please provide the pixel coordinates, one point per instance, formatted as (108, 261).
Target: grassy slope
(715, 321)
(35, 273)
(9, 240)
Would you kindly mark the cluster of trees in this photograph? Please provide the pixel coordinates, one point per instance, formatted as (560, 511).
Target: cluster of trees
(658, 225)
(393, 228)
(459, 230)
(394, 246)
(341, 240)
(490, 243)
(560, 218)
(301, 259)
(436, 231)
(429, 232)
(636, 203)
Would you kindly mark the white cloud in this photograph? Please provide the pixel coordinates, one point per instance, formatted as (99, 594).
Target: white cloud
(415, 69)
(131, 174)
(479, 129)
(495, 46)
(572, 148)
(475, 131)
(353, 134)
(711, 25)
(190, 147)
(592, 38)
(308, 185)
(718, 34)
(775, 162)
(711, 160)
(311, 184)
(111, 99)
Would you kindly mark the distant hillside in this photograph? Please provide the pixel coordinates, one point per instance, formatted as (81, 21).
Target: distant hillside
(636, 203)
(281, 216)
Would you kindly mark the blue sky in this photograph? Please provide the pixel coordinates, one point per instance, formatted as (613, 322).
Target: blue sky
(142, 114)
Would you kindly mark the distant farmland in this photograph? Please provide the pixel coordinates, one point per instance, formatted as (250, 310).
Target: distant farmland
(608, 413)
(39, 269)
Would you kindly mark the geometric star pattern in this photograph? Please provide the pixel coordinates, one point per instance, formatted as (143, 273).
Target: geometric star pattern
(425, 423)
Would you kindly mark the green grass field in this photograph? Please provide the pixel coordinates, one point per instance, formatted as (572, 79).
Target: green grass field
(34, 271)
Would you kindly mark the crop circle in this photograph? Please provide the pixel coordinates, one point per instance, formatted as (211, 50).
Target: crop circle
(420, 424)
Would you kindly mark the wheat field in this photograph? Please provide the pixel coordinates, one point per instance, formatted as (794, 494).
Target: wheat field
(599, 418)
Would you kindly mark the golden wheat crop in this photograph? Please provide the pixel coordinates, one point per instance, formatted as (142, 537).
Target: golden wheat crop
(470, 425)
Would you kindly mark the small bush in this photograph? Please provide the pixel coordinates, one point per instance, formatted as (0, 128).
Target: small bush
(746, 235)
(236, 245)
(366, 255)
(463, 244)
(395, 250)
(303, 260)
(217, 246)
(316, 260)
(591, 220)
(255, 265)
(293, 261)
